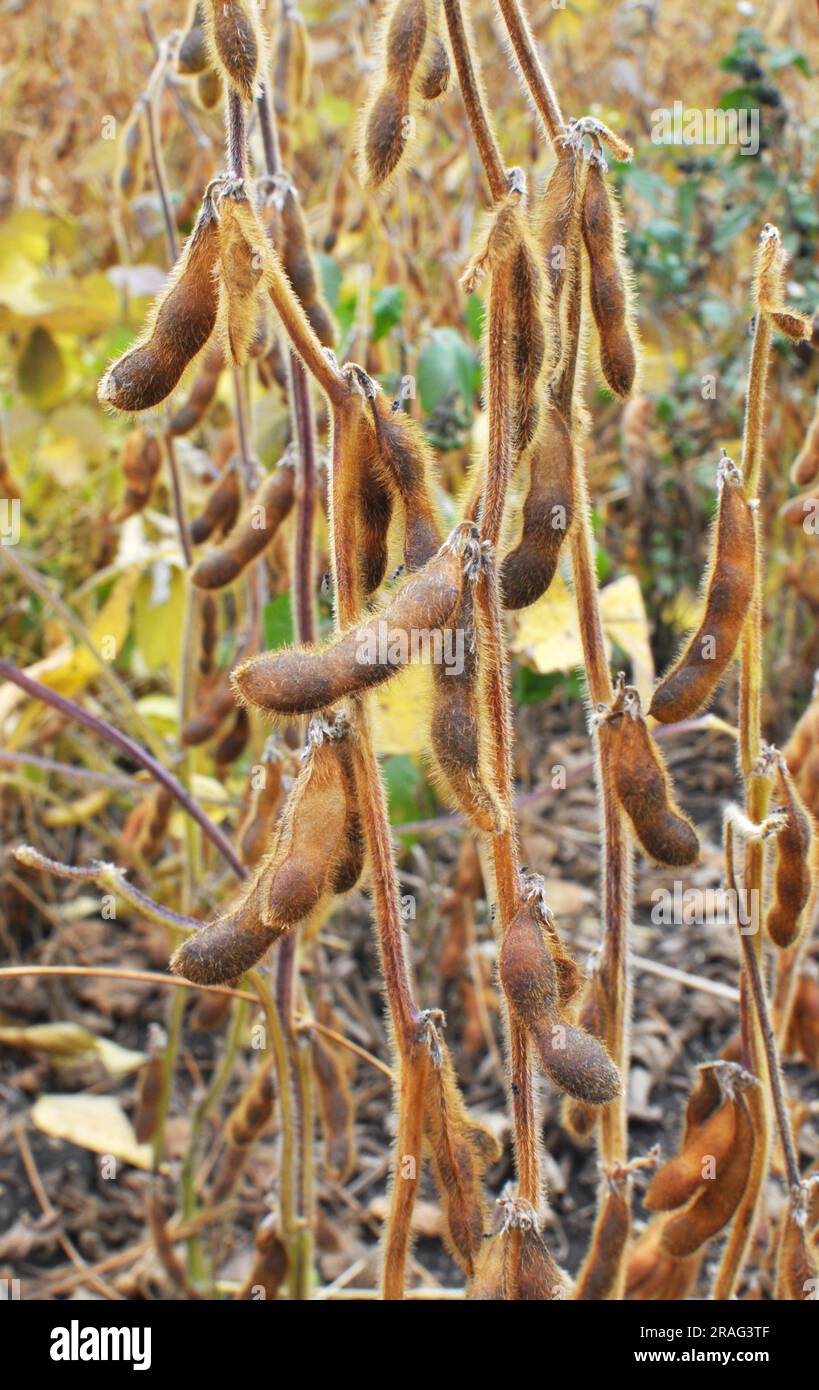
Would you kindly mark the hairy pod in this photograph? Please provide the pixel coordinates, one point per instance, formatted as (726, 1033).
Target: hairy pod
(575, 1061)
(180, 323)
(580, 1118)
(772, 262)
(209, 89)
(286, 223)
(557, 212)
(608, 283)
(192, 55)
(644, 790)
(690, 683)
(291, 63)
(401, 74)
(437, 71)
(270, 1262)
(221, 507)
(201, 395)
(601, 1277)
(253, 1111)
(236, 43)
(243, 251)
(202, 726)
(718, 1197)
(529, 568)
(268, 508)
(289, 881)
(792, 881)
(797, 1268)
(529, 346)
(336, 1110)
(147, 1110)
(526, 1275)
(255, 831)
(710, 1125)
(132, 152)
(405, 462)
(461, 1150)
(349, 862)
(805, 468)
(309, 679)
(233, 743)
(805, 1019)
(456, 726)
(141, 462)
(146, 827)
(652, 1274)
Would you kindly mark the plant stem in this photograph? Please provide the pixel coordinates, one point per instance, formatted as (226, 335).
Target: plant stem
(152, 97)
(132, 750)
(532, 70)
(473, 96)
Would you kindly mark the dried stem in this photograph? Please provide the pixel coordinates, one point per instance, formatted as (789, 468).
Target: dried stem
(167, 49)
(473, 96)
(531, 69)
(132, 750)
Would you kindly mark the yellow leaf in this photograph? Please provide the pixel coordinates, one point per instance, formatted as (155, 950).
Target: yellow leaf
(65, 1042)
(624, 620)
(161, 712)
(157, 625)
(401, 712)
(548, 632)
(98, 1123)
(41, 372)
(114, 618)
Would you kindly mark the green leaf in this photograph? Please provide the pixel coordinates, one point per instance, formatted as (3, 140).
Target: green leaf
(405, 788)
(474, 317)
(446, 364)
(388, 307)
(277, 621)
(41, 372)
(331, 278)
(789, 57)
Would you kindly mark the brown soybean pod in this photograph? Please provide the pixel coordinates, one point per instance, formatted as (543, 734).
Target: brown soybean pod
(461, 1151)
(201, 394)
(200, 727)
(221, 507)
(375, 505)
(805, 469)
(386, 127)
(209, 88)
(131, 170)
(297, 258)
(690, 683)
(792, 882)
(797, 1269)
(678, 1180)
(455, 727)
(181, 322)
(644, 790)
(192, 55)
(268, 508)
(335, 1107)
(576, 1062)
(141, 462)
(529, 568)
(719, 1197)
(243, 250)
(255, 832)
(437, 71)
(651, 1273)
(349, 863)
(555, 215)
(603, 1269)
(236, 43)
(309, 679)
(288, 883)
(528, 339)
(232, 745)
(608, 286)
(406, 461)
